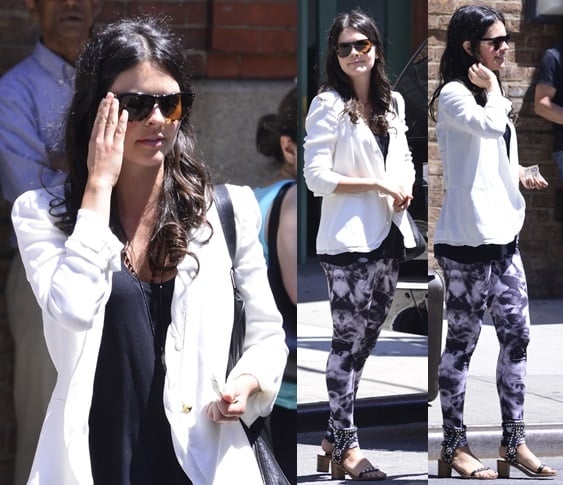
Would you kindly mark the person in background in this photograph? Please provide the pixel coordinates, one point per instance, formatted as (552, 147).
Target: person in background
(358, 160)
(132, 272)
(476, 237)
(276, 138)
(35, 97)
(548, 103)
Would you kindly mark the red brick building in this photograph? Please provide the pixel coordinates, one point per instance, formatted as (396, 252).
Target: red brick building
(243, 52)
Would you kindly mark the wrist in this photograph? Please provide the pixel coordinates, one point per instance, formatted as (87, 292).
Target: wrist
(248, 383)
(99, 184)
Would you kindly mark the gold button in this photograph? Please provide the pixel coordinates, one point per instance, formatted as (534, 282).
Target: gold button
(186, 408)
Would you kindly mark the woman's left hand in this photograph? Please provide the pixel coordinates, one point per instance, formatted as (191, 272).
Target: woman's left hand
(402, 205)
(231, 404)
(532, 179)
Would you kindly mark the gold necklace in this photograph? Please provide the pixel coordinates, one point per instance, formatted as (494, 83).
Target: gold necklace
(129, 264)
(159, 343)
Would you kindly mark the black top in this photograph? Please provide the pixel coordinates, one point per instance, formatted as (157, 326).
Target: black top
(130, 440)
(485, 253)
(383, 142)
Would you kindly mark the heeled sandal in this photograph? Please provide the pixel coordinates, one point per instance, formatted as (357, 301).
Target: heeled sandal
(455, 438)
(513, 436)
(345, 439)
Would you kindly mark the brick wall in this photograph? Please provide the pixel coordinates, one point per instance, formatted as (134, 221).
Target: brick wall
(234, 39)
(541, 237)
(241, 41)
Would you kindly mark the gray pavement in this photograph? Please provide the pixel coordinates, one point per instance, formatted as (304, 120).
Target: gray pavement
(399, 367)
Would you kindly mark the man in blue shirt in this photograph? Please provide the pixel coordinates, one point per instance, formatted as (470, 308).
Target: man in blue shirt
(36, 94)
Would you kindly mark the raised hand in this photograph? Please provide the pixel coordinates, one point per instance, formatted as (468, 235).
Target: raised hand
(482, 77)
(105, 156)
(105, 150)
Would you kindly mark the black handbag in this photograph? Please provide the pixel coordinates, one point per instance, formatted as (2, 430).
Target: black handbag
(419, 239)
(258, 432)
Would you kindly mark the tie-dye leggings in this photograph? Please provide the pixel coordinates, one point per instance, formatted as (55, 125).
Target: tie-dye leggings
(501, 287)
(360, 298)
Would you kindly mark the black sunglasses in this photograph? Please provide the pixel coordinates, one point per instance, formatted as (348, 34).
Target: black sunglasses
(173, 106)
(497, 41)
(343, 49)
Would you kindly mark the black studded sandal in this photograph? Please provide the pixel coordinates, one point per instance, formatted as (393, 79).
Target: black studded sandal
(345, 439)
(453, 439)
(513, 435)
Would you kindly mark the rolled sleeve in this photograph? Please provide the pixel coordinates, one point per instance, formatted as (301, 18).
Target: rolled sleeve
(70, 276)
(460, 108)
(322, 132)
(92, 240)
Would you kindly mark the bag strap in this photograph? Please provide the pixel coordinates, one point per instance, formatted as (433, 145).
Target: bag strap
(227, 217)
(260, 428)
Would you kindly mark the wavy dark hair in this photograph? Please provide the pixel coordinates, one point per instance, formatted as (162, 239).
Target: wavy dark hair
(186, 188)
(471, 23)
(273, 125)
(380, 87)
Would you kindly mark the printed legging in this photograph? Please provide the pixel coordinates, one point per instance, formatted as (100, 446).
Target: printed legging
(501, 287)
(360, 298)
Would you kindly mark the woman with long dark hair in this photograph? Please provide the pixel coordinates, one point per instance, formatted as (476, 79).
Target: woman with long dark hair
(476, 237)
(132, 272)
(358, 160)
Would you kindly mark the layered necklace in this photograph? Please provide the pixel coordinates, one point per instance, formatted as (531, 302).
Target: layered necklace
(159, 337)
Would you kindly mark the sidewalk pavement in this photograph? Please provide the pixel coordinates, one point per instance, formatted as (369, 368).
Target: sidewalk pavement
(398, 367)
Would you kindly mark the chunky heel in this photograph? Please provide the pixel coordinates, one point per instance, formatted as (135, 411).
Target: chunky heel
(323, 463)
(503, 469)
(444, 469)
(337, 472)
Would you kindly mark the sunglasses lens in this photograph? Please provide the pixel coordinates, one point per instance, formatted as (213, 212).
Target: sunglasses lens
(500, 41)
(138, 106)
(345, 48)
(171, 106)
(363, 46)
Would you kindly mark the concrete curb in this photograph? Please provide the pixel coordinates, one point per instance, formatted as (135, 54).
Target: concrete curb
(544, 439)
(379, 411)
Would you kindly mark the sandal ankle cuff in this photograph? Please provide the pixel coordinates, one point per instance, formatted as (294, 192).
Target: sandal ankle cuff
(513, 435)
(454, 437)
(344, 439)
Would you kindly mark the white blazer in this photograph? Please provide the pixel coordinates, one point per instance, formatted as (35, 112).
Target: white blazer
(336, 147)
(71, 278)
(482, 202)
